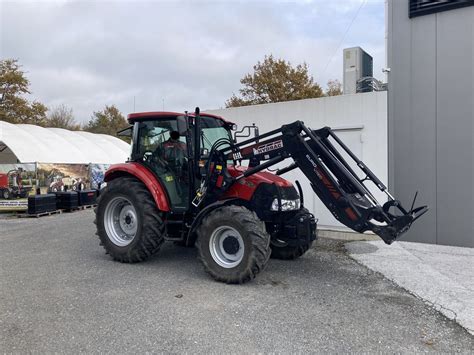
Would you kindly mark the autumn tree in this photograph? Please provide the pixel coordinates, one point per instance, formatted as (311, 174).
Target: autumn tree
(275, 80)
(108, 121)
(14, 107)
(334, 88)
(62, 117)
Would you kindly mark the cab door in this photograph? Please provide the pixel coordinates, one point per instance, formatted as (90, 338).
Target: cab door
(159, 147)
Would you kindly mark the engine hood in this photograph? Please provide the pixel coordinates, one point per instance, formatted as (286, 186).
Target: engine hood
(245, 188)
(260, 177)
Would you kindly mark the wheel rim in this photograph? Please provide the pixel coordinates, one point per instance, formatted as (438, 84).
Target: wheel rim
(121, 221)
(226, 246)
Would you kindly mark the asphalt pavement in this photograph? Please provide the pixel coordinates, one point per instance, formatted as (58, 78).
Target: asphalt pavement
(59, 292)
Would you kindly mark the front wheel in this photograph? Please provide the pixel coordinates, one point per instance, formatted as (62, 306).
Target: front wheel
(129, 225)
(233, 244)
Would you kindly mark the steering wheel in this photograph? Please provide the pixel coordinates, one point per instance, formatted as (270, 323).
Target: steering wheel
(152, 157)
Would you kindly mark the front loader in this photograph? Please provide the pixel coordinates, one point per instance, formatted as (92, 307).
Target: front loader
(190, 182)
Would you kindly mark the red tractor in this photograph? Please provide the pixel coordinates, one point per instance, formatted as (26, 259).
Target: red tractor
(11, 185)
(185, 182)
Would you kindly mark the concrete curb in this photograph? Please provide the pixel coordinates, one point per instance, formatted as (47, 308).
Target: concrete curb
(345, 235)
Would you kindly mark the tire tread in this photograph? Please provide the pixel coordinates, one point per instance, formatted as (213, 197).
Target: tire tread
(260, 251)
(152, 234)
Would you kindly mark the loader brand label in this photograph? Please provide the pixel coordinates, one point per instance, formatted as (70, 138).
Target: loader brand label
(268, 147)
(314, 166)
(311, 161)
(237, 156)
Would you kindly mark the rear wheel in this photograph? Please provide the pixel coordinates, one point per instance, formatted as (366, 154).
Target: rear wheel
(129, 225)
(6, 194)
(233, 244)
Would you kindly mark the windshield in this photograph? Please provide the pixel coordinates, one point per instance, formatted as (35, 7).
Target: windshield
(212, 130)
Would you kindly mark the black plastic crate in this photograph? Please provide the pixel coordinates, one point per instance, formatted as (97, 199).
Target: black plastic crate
(41, 203)
(67, 200)
(87, 197)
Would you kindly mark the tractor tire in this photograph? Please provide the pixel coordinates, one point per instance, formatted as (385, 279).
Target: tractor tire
(6, 194)
(233, 244)
(129, 225)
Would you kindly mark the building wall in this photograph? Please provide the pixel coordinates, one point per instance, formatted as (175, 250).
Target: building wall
(431, 119)
(360, 121)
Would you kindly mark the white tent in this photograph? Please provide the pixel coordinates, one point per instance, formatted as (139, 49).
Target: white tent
(26, 143)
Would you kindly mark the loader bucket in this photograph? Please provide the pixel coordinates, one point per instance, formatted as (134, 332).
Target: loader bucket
(398, 225)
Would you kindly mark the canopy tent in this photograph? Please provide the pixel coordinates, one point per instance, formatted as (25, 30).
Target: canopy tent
(24, 143)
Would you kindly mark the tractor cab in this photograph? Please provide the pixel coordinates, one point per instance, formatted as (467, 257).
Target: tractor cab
(165, 143)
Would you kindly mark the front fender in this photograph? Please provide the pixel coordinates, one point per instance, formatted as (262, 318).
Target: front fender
(144, 175)
(191, 237)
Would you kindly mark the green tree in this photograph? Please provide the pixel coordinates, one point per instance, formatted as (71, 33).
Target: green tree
(14, 107)
(334, 88)
(62, 117)
(275, 80)
(108, 121)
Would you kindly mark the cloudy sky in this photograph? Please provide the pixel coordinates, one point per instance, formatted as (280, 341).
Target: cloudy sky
(86, 54)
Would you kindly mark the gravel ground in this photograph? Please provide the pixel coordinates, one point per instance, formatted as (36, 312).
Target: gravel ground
(59, 292)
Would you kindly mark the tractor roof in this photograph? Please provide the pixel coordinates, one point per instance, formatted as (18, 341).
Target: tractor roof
(142, 116)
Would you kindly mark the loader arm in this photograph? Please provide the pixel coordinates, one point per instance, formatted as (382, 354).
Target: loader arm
(316, 154)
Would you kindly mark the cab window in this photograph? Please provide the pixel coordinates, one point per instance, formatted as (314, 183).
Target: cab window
(212, 130)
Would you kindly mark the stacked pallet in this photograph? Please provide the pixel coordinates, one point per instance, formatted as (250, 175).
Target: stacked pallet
(64, 201)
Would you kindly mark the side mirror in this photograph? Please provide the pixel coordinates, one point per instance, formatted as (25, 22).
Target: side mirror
(126, 132)
(182, 125)
(245, 132)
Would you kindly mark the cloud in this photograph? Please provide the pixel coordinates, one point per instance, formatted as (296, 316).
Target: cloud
(88, 54)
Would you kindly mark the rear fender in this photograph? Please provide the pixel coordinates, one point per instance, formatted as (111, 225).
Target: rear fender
(141, 173)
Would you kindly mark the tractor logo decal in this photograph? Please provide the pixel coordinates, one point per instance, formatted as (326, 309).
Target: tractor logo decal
(268, 147)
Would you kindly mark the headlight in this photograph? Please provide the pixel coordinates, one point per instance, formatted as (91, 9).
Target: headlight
(286, 205)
